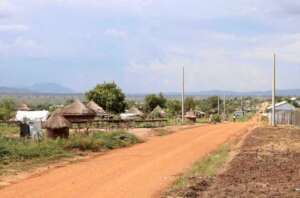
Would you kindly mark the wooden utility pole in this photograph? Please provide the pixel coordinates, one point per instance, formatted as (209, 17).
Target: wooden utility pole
(224, 107)
(274, 91)
(218, 105)
(182, 97)
(242, 103)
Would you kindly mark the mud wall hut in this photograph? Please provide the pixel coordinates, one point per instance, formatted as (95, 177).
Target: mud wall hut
(97, 109)
(77, 112)
(57, 126)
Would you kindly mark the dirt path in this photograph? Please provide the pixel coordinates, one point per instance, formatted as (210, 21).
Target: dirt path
(140, 171)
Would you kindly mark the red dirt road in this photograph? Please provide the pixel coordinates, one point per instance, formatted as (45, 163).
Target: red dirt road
(140, 171)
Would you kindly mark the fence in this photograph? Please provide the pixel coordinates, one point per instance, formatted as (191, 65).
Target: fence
(119, 124)
(287, 117)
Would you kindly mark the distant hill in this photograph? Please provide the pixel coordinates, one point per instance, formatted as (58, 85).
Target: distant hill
(50, 88)
(177, 95)
(11, 90)
(41, 88)
(283, 92)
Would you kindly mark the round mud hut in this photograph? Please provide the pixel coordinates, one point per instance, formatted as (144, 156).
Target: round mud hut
(97, 109)
(157, 112)
(23, 107)
(77, 112)
(191, 116)
(57, 126)
(134, 110)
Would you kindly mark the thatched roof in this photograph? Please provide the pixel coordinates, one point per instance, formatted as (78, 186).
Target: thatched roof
(96, 108)
(77, 108)
(157, 112)
(136, 111)
(57, 121)
(190, 114)
(23, 107)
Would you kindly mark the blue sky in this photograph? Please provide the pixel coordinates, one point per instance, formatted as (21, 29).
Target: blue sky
(142, 44)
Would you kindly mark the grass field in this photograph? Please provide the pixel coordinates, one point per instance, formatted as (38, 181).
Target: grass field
(15, 151)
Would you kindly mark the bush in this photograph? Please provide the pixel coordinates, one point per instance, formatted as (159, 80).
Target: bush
(100, 141)
(21, 150)
(17, 150)
(216, 118)
(117, 139)
(84, 143)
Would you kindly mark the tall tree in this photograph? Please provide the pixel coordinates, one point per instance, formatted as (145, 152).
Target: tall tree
(151, 101)
(173, 107)
(109, 96)
(7, 108)
(189, 103)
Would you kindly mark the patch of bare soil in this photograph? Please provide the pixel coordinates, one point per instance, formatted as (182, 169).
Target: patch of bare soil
(143, 170)
(268, 165)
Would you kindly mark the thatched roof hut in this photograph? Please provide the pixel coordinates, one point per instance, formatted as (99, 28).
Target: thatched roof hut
(77, 112)
(23, 107)
(134, 110)
(157, 112)
(190, 115)
(96, 108)
(57, 126)
(57, 121)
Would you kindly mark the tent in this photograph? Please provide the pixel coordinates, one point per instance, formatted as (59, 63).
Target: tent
(32, 115)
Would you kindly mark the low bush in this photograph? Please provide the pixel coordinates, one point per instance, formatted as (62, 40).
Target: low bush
(216, 118)
(18, 150)
(14, 149)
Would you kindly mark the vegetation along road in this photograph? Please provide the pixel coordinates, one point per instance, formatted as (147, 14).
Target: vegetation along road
(143, 170)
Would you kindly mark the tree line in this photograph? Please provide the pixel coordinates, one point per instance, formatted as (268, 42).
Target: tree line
(112, 99)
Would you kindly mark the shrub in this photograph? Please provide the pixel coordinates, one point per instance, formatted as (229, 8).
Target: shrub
(216, 118)
(84, 143)
(101, 140)
(117, 139)
(18, 150)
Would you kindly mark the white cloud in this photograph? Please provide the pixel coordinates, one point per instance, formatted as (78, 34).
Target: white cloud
(116, 33)
(13, 28)
(6, 8)
(22, 47)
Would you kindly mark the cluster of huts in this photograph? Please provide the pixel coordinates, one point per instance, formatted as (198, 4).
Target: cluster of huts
(58, 123)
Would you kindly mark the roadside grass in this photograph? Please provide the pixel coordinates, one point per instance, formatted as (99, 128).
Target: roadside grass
(15, 151)
(162, 131)
(8, 130)
(206, 167)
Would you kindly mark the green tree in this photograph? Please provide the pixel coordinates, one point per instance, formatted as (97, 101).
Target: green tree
(109, 96)
(7, 108)
(151, 101)
(173, 107)
(189, 103)
(130, 103)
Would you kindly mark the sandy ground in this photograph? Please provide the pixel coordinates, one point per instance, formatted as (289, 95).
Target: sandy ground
(266, 165)
(143, 170)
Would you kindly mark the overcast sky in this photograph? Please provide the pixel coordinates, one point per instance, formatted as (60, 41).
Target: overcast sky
(142, 44)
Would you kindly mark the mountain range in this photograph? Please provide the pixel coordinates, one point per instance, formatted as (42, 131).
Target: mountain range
(52, 88)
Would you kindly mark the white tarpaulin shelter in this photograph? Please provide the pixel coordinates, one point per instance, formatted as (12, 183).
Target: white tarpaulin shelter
(32, 115)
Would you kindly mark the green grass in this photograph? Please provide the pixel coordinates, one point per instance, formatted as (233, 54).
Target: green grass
(205, 167)
(9, 130)
(101, 141)
(15, 151)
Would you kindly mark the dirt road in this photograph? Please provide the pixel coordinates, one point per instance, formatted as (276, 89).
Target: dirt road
(143, 170)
